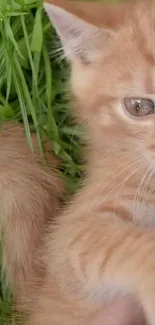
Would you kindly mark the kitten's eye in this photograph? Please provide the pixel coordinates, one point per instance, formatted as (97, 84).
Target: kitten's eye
(139, 106)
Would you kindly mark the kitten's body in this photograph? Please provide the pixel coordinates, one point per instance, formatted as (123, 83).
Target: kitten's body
(99, 256)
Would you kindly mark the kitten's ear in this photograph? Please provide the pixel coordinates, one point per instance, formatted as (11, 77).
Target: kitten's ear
(78, 37)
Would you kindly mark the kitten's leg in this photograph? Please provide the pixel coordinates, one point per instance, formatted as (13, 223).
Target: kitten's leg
(123, 311)
(87, 265)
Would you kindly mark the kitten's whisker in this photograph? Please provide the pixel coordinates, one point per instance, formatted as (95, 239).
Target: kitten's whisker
(118, 174)
(141, 200)
(113, 171)
(120, 190)
(137, 194)
(122, 182)
(128, 164)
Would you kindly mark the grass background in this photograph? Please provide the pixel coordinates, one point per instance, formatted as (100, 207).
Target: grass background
(33, 92)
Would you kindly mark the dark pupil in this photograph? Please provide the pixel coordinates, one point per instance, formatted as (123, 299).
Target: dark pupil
(139, 106)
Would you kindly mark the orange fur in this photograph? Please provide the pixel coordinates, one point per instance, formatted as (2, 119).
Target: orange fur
(29, 195)
(99, 256)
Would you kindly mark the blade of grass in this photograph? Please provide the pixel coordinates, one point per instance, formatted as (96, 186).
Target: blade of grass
(51, 126)
(35, 92)
(37, 34)
(22, 106)
(29, 102)
(4, 4)
(9, 34)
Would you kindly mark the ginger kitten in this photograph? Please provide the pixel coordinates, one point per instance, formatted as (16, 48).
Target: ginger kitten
(98, 258)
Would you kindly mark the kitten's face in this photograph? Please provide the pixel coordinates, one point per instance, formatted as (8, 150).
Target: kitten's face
(113, 70)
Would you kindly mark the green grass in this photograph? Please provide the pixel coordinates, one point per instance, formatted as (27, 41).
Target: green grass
(33, 92)
(32, 80)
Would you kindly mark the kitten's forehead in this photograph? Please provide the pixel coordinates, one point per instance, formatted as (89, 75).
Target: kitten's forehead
(143, 22)
(142, 49)
(131, 63)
